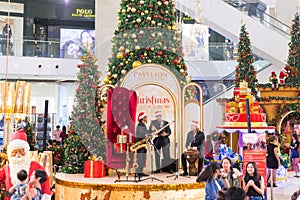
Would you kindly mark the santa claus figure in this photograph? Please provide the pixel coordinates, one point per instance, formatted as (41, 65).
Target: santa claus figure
(18, 158)
(282, 76)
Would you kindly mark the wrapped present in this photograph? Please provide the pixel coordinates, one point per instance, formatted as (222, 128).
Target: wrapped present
(120, 148)
(129, 136)
(250, 97)
(94, 168)
(243, 84)
(242, 107)
(232, 107)
(236, 91)
(254, 108)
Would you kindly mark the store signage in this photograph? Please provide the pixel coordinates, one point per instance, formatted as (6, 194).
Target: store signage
(83, 12)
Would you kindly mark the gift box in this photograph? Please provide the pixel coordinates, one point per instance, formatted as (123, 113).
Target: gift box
(242, 106)
(94, 169)
(232, 107)
(120, 148)
(129, 136)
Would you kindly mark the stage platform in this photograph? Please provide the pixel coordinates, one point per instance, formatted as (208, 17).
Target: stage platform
(76, 187)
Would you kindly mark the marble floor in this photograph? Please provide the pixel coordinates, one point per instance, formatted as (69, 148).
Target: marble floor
(285, 189)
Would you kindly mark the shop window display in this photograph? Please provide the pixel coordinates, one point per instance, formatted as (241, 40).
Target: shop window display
(6, 34)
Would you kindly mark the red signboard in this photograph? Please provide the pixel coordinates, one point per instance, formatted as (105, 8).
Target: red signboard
(257, 156)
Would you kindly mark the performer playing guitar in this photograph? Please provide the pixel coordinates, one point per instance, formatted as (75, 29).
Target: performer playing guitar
(161, 142)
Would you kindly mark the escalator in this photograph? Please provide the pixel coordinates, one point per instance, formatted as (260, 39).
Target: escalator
(269, 37)
(224, 89)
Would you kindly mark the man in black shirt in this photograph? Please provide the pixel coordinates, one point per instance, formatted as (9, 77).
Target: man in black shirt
(141, 133)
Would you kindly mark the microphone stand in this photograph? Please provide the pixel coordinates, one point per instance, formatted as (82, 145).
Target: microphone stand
(176, 173)
(152, 177)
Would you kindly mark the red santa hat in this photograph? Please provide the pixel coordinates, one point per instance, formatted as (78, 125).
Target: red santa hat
(18, 140)
(273, 74)
(142, 115)
(284, 70)
(194, 123)
(157, 113)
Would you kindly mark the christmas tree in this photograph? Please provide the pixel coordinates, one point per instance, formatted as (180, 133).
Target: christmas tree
(146, 33)
(30, 135)
(245, 70)
(87, 129)
(75, 153)
(293, 63)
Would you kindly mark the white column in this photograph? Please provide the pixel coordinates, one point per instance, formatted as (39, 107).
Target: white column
(286, 9)
(105, 24)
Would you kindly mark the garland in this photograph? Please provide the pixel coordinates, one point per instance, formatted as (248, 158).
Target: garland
(270, 98)
(285, 85)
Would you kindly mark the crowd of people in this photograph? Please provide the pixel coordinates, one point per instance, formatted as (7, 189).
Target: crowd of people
(58, 136)
(222, 180)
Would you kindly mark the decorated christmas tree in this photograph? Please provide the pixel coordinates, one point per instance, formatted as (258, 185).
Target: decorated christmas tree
(87, 129)
(146, 33)
(245, 70)
(75, 153)
(293, 63)
(30, 135)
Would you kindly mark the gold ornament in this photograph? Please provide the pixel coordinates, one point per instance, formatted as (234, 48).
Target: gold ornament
(123, 71)
(121, 48)
(133, 10)
(147, 12)
(106, 80)
(115, 76)
(136, 63)
(108, 73)
(138, 20)
(120, 55)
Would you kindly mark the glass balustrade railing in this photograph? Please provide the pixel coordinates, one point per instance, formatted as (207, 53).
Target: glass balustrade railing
(257, 11)
(53, 48)
(214, 88)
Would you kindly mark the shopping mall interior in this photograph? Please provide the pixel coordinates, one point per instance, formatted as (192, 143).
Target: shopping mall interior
(37, 35)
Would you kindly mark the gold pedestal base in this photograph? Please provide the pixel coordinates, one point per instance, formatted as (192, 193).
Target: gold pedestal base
(75, 187)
